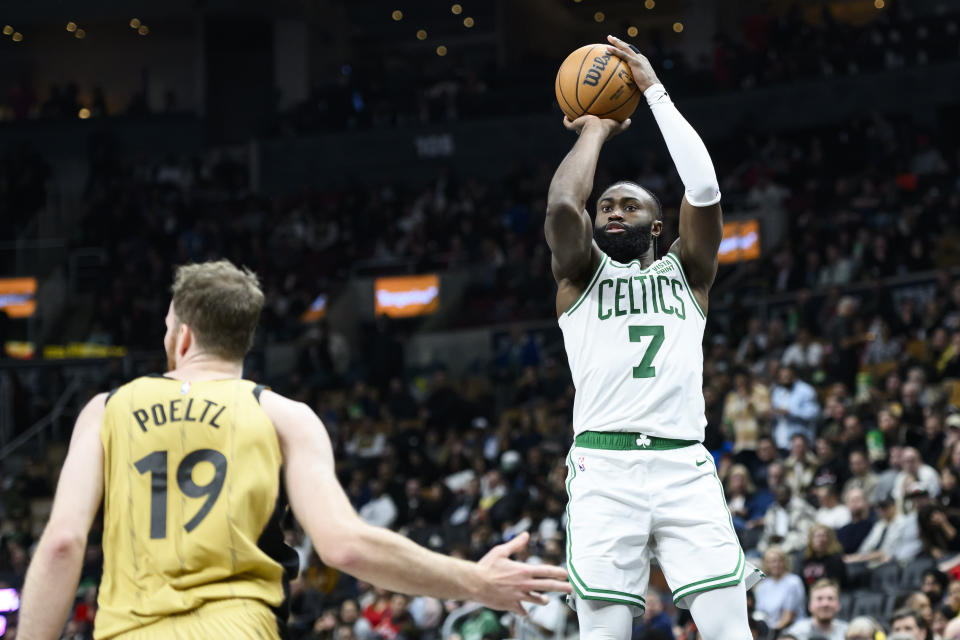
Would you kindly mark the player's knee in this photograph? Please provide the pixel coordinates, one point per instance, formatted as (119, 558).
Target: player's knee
(721, 614)
(604, 620)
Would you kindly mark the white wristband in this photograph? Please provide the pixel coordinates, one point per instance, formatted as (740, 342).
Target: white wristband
(656, 94)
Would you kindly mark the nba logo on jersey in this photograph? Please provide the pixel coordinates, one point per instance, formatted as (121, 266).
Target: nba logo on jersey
(580, 464)
(185, 387)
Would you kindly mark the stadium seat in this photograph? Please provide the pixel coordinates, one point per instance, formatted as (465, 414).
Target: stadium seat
(846, 604)
(796, 560)
(912, 578)
(886, 578)
(867, 603)
(891, 606)
(858, 575)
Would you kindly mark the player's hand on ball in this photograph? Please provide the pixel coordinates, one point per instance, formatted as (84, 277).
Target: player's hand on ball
(640, 67)
(505, 584)
(608, 126)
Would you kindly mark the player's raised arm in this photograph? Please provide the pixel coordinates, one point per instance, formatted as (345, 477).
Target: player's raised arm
(569, 228)
(382, 557)
(701, 221)
(51, 583)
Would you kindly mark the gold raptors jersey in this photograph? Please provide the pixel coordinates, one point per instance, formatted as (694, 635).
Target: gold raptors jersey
(191, 502)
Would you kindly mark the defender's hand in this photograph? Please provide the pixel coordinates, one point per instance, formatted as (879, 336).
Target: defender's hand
(608, 127)
(640, 67)
(505, 584)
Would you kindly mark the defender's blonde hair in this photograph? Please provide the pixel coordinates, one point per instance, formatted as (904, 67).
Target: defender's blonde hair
(221, 304)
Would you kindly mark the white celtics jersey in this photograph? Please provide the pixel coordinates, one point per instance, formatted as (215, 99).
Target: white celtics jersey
(633, 341)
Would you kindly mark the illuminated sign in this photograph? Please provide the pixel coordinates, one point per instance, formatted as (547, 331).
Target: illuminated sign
(407, 296)
(317, 310)
(19, 349)
(741, 241)
(9, 600)
(82, 350)
(18, 296)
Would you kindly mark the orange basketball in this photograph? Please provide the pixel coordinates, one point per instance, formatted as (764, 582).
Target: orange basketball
(592, 81)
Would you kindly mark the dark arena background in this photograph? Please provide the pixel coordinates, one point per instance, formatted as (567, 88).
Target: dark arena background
(383, 167)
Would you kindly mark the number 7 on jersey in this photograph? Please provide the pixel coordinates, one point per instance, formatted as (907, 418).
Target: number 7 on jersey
(637, 332)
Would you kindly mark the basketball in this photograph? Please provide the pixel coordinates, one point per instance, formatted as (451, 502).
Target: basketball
(592, 81)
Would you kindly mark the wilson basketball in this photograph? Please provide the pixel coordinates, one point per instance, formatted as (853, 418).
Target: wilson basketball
(592, 81)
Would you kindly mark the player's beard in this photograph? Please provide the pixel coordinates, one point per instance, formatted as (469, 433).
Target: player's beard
(623, 247)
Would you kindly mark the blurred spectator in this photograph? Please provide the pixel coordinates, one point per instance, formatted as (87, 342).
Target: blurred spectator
(952, 630)
(939, 533)
(910, 623)
(852, 535)
(804, 355)
(761, 463)
(831, 470)
(882, 345)
(740, 492)
(861, 476)
(795, 406)
(935, 585)
(892, 537)
(746, 410)
(654, 619)
(918, 601)
(786, 522)
(863, 628)
(824, 607)
(844, 340)
(381, 510)
(915, 474)
(781, 595)
(801, 465)
(823, 557)
(831, 513)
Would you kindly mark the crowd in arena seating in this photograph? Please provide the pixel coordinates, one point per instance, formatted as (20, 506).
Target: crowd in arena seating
(833, 419)
(845, 491)
(834, 424)
(873, 198)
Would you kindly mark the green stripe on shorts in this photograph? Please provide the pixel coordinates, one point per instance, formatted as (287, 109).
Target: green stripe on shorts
(717, 582)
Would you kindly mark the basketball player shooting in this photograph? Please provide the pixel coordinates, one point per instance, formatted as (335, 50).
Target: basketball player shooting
(641, 485)
(188, 466)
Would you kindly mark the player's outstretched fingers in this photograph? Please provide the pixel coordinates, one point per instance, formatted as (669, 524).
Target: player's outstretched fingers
(513, 545)
(620, 49)
(549, 585)
(535, 597)
(548, 571)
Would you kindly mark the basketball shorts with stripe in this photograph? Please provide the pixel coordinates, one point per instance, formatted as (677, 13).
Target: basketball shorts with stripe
(627, 508)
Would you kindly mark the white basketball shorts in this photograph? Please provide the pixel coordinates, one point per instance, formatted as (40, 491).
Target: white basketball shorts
(628, 506)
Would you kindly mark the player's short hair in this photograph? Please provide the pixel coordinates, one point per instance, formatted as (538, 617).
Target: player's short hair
(221, 304)
(824, 583)
(653, 196)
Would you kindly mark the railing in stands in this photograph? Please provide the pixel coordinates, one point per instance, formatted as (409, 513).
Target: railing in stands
(38, 428)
